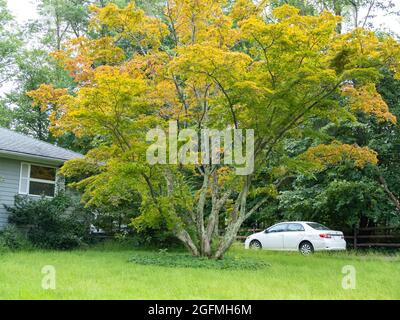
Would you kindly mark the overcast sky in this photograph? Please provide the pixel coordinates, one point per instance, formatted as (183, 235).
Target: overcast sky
(23, 10)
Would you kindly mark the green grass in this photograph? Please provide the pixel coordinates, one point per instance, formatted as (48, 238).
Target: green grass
(105, 273)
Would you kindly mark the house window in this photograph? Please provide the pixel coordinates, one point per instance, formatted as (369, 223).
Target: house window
(37, 180)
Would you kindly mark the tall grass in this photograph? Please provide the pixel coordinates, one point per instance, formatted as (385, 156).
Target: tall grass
(105, 273)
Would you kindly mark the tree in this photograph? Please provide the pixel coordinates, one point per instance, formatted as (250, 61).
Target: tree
(61, 19)
(205, 66)
(355, 13)
(9, 43)
(27, 64)
(65, 19)
(58, 21)
(299, 194)
(33, 67)
(5, 116)
(340, 193)
(386, 141)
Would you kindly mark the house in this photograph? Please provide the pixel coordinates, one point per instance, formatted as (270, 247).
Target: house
(28, 167)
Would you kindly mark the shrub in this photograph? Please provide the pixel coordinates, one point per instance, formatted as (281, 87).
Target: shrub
(183, 260)
(50, 223)
(11, 238)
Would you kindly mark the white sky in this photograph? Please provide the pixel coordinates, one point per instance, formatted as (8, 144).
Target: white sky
(23, 10)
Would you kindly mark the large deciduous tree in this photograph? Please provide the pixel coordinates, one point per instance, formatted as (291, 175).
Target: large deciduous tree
(209, 64)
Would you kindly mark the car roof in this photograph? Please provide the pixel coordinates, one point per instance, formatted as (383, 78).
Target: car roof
(295, 222)
(304, 223)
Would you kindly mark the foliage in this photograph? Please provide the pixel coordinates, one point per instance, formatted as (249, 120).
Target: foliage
(11, 238)
(62, 19)
(336, 153)
(34, 67)
(29, 65)
(10, 43)
(336, 201)
(368, 99)
(372, 194)
(340, 193)
(5, 116)
(48, 223)
(354, 13)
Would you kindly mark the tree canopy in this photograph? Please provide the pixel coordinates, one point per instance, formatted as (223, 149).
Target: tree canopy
(212, 64)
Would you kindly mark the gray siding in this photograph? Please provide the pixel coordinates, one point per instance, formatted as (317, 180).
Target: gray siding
(9, 185)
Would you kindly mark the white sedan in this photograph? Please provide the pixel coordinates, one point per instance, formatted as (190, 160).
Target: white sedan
(306, 237)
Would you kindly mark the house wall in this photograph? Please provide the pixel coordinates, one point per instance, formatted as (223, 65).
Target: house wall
(9, 185)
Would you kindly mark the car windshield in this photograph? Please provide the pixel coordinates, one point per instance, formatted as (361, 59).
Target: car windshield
(317, 226)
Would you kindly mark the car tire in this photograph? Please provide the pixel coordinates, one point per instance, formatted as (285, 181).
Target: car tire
(255, 244)
(306, 248)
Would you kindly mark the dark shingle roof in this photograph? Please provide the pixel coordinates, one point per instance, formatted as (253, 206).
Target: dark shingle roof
(12, 142)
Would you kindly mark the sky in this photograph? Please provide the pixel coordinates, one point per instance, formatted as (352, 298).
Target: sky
(23, 10)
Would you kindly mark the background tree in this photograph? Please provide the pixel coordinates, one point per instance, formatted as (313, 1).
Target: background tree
(34, 67)
(376, 187)
(9, 43)
(5, 116)
(27, 63)
(355, 13)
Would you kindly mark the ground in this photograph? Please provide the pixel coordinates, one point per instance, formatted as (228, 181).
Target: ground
(105, 273)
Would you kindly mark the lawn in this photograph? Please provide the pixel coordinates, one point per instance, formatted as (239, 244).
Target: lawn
(105, 273)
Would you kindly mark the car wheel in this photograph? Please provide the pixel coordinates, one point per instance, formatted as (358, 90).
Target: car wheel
(306, 248)
(255, 244)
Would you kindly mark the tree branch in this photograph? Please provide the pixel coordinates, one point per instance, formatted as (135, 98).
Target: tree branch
(390, 194)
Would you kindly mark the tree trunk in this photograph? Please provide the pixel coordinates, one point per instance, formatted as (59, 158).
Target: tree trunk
(184, 236)
(228, 239)
(238, 217)
(205, 247)
(390, 194)
(337, 7)
(201, 246)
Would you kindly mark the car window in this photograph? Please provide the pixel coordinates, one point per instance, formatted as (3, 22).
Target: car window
(295, 227)
(317, 226)
(278, 228)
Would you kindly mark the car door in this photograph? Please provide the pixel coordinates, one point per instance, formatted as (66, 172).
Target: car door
(273, 237)
(293, 235)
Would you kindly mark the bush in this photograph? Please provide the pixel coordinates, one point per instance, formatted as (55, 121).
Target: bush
(183, 260)
(50, 223)
(11, 238)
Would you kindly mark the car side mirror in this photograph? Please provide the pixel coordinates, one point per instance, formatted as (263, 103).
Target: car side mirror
(266, 231)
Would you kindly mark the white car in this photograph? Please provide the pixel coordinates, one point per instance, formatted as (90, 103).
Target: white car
(302, 236)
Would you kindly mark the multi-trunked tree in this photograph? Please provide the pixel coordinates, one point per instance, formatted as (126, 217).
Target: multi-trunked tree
(205, 64)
